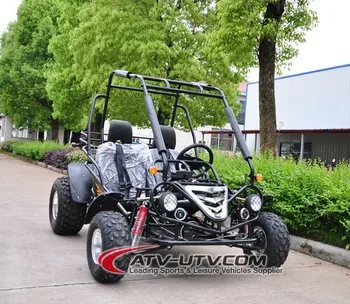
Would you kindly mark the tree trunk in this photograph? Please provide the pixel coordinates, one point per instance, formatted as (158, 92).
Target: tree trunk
(96, 126)
(54, 129)
(267, 57)
(163, 117)
(41, 135)
(66, 136)
(267, 107)
(75, 137)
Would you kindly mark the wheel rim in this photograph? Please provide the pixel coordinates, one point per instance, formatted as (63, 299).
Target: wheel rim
(96, 245)
(260, 234)
(54, 209)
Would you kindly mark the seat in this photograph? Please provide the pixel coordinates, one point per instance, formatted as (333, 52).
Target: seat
(136, 159)
(169, 137)
(120, 130)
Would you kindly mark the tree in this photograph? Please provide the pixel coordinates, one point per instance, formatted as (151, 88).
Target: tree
(71, 102)
(22, 64)
(162, 38)
(263, 33)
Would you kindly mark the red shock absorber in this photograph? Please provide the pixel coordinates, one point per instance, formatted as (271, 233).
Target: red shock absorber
(139, 224)
(246, 229)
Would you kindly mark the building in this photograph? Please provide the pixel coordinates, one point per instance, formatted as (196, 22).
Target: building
(223, 139)
(9, 132)
(5, 128)
(312, 111)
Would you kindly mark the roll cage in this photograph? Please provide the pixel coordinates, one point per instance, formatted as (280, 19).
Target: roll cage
(170, 88)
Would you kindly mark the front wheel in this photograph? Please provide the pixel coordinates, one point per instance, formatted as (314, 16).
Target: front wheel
(108, 230)
(273, 239)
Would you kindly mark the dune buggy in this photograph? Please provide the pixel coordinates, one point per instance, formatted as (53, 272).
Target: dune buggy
(130, 191)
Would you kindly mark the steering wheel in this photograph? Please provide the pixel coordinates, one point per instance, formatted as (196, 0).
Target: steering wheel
(201, 167)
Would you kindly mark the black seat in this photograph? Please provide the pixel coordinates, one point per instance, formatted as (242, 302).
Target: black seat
(169, 136)
(120, 130)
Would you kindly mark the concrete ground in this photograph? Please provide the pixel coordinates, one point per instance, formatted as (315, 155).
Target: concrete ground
(37, 266)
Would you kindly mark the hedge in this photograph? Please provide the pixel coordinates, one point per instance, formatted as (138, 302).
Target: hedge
(35, 150)
(57, 158)
(7, 145)
(50, 152)
(77, 156)
(314, 202)
(61, 158)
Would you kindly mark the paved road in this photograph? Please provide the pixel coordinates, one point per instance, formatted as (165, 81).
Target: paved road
(37, 266)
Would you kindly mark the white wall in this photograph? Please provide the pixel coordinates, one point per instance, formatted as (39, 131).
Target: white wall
(316, 100)
(6, 128)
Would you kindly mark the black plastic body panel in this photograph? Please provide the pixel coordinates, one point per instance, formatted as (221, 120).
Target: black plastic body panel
(80, 183)
(109, 201)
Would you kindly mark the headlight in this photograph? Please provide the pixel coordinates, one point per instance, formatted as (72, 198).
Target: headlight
(168, 201)
(253, 202)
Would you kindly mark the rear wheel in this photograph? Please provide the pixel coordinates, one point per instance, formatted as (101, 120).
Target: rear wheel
(108, 230)
(66, 216)
(273, 239)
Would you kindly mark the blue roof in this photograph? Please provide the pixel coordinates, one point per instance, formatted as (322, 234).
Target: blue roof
(305, 73)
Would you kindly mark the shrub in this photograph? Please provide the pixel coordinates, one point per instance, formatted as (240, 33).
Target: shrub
(57, 158)
(7, 145)
(314, 202)
(77, 156)
(35, 150)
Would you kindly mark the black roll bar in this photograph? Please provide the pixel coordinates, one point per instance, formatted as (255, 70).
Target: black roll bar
(189, 122)
(164, 88)
(91, 117)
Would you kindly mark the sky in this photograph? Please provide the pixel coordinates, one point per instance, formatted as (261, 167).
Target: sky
(327, 45)
(8, 12)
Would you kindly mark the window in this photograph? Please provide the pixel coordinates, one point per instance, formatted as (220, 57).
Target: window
(293, 149)
(222, 141)
(242, 102)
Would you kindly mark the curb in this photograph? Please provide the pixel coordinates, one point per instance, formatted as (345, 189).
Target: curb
(52, 168)
(34, 162)
(322, 251)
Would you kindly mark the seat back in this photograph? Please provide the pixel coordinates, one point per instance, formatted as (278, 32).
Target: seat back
(120, 130)
(169, 137)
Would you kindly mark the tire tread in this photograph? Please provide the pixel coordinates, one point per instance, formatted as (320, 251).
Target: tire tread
(115, 233)
(71, 215)
(278, 239)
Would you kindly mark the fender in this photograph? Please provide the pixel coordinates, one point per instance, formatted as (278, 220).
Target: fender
(80, 183)
(109, 201)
